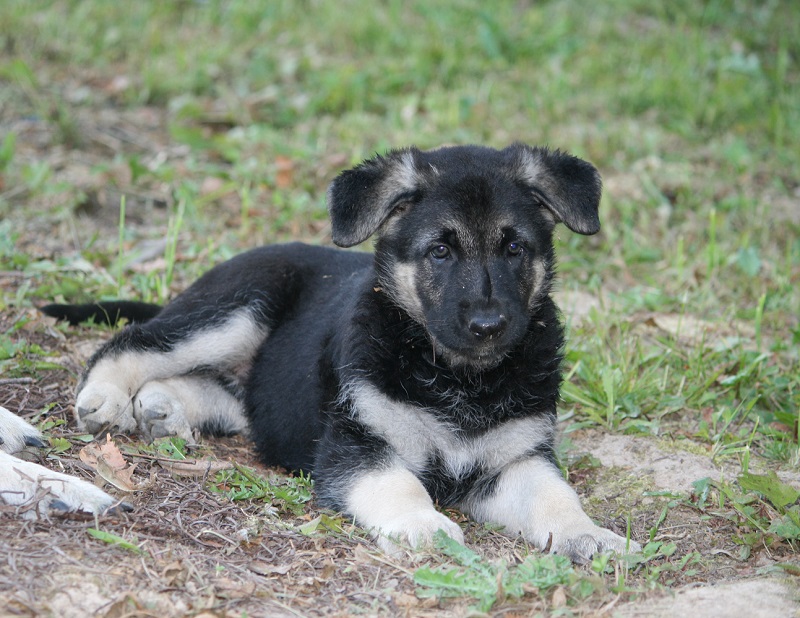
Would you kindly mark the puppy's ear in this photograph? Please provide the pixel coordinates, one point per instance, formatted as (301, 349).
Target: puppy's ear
(568, 187)
(361, 199)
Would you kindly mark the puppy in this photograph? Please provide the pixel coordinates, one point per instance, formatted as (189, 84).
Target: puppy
(427, 373)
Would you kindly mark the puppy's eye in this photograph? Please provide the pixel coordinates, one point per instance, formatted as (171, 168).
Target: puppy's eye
(514, 248)
(440, 252)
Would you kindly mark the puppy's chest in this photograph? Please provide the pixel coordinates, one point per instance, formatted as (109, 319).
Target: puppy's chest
(420, 436)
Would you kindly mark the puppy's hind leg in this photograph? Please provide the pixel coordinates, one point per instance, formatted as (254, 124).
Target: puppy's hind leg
(166, 347)
(176, 406)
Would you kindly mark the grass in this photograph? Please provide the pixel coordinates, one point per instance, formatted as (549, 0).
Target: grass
(289, 494)
(224, 122)
(493, 583)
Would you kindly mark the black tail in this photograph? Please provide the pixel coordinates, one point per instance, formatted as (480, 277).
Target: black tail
(103, 312)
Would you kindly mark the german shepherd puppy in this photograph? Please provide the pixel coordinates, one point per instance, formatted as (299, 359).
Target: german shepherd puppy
(426, 373)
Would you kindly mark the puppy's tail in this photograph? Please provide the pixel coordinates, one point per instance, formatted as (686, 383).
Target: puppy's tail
(105, 312)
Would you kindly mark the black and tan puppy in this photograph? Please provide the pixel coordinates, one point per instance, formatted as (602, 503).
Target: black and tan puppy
(425, 373)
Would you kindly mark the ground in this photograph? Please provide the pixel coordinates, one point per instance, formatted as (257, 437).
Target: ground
(195, 552)
(134, 155)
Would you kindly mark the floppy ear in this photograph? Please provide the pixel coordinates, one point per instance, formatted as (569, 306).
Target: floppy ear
(568, 187)
(361, 199)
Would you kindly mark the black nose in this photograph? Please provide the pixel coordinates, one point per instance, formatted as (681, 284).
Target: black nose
(484, 326)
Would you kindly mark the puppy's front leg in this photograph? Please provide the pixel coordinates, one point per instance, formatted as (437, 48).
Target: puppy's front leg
(393, 505)
(532, 498)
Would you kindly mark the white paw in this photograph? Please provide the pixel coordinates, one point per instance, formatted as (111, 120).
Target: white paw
(415, 530)
(159, 412)
(102, 406)
(579, 545)
(35, 490)
(16, 434)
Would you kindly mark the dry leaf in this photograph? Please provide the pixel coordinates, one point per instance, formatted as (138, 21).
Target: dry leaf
(262, 568)
(110, 464)
(121, 479)
(328, 571)
(126, 605)
(559, 598)
(284, 172)
(691, 330)
(211, 184)
(405, 600)
(362, 555)
(175, 573)
(92, 453)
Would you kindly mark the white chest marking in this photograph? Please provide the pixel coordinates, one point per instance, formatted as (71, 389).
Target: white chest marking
(416, 434)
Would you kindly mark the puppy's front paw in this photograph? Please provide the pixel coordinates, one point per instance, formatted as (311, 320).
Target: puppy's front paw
(415, 530)
(581, 544)
(102, 406)
(160, 412)
(16, 434)
(36, 490)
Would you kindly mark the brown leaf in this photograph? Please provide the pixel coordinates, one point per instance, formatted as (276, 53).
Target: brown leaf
(406, 600)
(691, 330)
(175, 573)
(121, 479)
(328, 571)
(284, 172)
(126, 605)
(211, 184)
(262, 568)
(112, 455)
(110, 464)
(559, 598)
(109, 453)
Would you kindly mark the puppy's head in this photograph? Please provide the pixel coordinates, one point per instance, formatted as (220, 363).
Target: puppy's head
(464, 236)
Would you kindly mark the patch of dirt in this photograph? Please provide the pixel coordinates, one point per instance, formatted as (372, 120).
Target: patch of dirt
(666, 464)
(759, 598)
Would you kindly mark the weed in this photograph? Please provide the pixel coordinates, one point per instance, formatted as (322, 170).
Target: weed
(121, 244)
(170, 447)
(7, 151)
(21, 358)
(765, 510)
(490, 583)
(115, 540)
(323, 524)
(288, 494)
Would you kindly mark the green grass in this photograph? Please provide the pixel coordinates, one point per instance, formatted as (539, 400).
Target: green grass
(288, 494)
(489, 584)
(546, 576)
(114, 540)
(688, 108)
